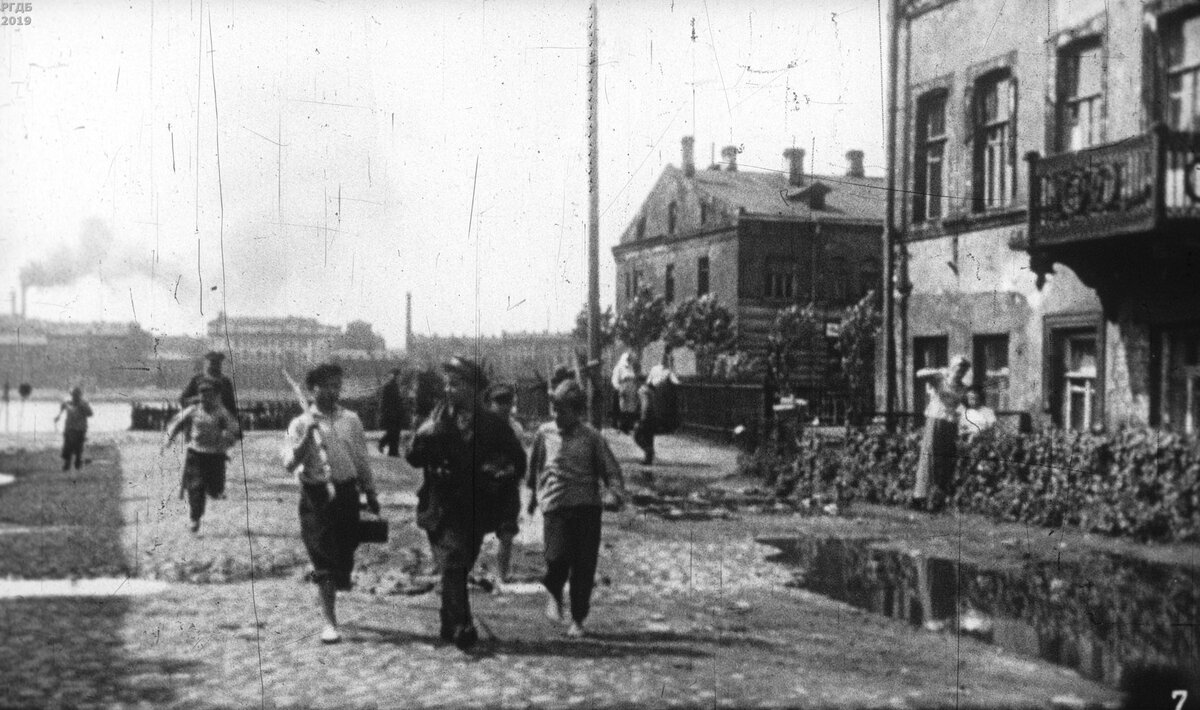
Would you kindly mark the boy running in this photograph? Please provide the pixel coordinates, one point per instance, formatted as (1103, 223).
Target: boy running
(211, 431)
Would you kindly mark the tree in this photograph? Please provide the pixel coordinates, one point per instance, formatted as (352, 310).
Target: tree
(705, 327)
(642, 321)
(607, 335)
(360, 336)
(792, 341)
(860, 328)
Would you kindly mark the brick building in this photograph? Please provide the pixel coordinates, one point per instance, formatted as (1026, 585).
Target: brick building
(1048, 213)
(758, 241)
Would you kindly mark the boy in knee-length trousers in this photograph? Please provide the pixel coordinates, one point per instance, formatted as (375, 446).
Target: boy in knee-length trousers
(568, 462)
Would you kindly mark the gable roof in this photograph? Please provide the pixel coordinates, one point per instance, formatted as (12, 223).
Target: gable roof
(849, 199)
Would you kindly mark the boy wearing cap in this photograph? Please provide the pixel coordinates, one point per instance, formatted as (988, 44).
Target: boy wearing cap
(464, 450)
(568, 462)
(326, 446)
(500, 399)
(212, 371)
(211, 431)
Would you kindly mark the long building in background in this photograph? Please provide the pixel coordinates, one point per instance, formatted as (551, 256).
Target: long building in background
(1050, 220)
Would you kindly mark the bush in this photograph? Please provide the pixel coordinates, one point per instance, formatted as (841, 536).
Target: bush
(1136, 483)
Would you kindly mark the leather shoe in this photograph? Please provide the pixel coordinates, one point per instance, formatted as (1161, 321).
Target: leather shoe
(465, 637)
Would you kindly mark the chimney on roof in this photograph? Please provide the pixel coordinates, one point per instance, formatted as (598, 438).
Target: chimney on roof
(689, 156)
(795, 165)
(854, 162)
(729, 157)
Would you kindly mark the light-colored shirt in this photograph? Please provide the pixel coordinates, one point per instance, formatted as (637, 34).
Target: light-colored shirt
(974, 421)
(566, 468)
(209, 432)
(345, 446)
(945, 396)
(77, 415)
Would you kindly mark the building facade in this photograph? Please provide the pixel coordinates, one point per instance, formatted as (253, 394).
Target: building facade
(758, 241)
(1048, 209)
(510, 357)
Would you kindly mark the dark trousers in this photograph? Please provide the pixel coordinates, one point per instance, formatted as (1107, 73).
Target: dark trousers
(391, 440)
(329, 529)
(73, 447)
(643, 436)
(457, 546)
(203, 478)
(572, 549)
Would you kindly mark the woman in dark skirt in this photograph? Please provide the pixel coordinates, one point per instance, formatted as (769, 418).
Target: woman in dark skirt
(939, 441)
(327, 449)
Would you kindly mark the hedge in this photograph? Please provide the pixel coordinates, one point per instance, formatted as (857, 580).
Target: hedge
(1138, 483)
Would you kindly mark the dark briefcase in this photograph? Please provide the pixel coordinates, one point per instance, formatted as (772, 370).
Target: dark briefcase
(372, 528)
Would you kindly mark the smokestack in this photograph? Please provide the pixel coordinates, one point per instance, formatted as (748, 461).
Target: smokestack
(408, 320)
(12, 295)
(729, 157)
(689, 156)
(854, 161)
(24, 299)
(794, 158)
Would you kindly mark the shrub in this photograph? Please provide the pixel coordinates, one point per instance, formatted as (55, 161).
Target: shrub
(1136, 483)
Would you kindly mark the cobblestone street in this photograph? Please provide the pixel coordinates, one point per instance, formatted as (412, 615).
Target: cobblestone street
(687, 613)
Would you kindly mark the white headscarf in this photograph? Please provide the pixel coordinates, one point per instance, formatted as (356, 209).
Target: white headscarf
(622, 370)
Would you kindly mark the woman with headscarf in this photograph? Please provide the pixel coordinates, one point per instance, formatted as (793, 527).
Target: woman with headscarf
(626, 378)
(944, 388)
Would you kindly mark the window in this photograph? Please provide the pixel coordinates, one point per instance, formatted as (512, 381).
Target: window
(989, 361)
(1075, 376)
(671, 210)
(929, 351)
(839, 279)
(869, 277)
(1181, 45)
(628, 284)
(637, 281)
(1079, 90)
(669, 284)
(704, 212)
(702, 276)
(1180, 386)
(995, 148)
(928, 200)
(782, 280)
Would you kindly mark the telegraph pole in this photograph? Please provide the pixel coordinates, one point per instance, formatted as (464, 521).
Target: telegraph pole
(595, 400)
(889, 227)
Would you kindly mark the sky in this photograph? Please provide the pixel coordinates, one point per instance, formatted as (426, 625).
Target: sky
(161, 162)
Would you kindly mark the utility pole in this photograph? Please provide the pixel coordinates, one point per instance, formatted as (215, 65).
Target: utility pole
(595, 400)
(889, 226)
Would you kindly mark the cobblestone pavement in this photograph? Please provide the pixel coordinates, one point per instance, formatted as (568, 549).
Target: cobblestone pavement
(686, 614)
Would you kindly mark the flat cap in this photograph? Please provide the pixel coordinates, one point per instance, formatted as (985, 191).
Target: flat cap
(468, 369)
(214, 355)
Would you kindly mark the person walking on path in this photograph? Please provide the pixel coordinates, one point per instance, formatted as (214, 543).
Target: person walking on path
(211, 431)
(500, 400)
(644, 429)
(77, 411)
(939, 442)
(391, 415)
(212, 371)
(327, 449)
(567, 464)
(463, 450)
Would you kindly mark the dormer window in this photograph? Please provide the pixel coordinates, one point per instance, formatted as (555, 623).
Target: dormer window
(671, 210)
(813, 194)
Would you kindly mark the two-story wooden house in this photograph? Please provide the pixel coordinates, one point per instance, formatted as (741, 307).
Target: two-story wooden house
(758, 240)
(1049, 213)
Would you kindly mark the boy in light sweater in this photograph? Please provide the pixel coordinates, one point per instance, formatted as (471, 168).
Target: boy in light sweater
(567, 464)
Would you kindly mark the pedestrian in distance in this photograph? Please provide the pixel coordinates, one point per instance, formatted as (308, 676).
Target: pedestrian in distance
(463, 450)
(645, 427)
(945, 388)
(567, 464)
(77, 412)
(327, 450)
(501, 400)
(391, 415)
(211, 431)
(212, 370)
(625, 379)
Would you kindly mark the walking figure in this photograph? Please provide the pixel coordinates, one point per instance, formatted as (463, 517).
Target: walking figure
(75, 428)
(211, 432)
(327, 449)
(391, 415)
(567, 464)
(939, 442)
(465, 452)
(212, 371)
(500, 400)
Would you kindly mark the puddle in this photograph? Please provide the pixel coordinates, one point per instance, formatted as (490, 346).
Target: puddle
(99, 587)
(1100, 618)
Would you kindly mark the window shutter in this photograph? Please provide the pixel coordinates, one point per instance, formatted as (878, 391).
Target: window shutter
(1012, 131)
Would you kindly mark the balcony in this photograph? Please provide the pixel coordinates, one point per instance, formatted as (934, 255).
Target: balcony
(1117, 213)
(1143, 184)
